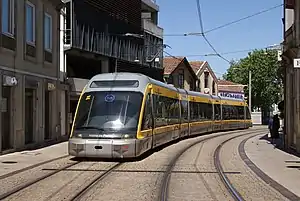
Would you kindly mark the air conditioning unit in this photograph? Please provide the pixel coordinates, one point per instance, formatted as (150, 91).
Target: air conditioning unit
(9, 81)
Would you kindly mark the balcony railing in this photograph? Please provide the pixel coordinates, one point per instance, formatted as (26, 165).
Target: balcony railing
(86, 38)
(152, 28)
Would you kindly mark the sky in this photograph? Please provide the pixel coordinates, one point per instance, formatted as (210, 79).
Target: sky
(181, 16)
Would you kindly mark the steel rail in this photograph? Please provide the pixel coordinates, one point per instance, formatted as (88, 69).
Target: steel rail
(166, 178)
(81, 193)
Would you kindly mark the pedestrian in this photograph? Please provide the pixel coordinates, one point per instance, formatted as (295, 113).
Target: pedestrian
(270, 126)
(275, 129)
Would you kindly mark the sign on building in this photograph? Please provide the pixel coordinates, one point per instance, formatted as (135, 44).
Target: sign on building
(297, 63)
(239, 96)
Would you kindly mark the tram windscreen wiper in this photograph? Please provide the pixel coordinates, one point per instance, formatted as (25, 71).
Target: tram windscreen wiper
(90, 127)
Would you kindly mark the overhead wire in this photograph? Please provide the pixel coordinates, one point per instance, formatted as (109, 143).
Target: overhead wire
(226, 24)
(224, 53)
(244, 18)
(203, 34)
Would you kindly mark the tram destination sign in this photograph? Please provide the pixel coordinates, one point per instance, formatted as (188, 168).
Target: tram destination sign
(239, 96)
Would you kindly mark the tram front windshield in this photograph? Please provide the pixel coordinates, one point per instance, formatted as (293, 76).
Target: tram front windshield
(112, 112)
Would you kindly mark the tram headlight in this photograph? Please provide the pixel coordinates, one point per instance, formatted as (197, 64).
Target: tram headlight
(126, 136)
(77, 135)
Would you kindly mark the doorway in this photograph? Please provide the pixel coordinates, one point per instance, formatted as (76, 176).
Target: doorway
(47, 116)
(29, 101)
(6, 118)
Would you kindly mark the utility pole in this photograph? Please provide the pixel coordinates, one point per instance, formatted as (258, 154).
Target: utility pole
(250, 91)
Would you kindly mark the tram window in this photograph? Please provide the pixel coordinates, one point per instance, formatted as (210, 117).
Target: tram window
(166, 110)
(202, 111)
(147, 116)
(217, 108)
(159, 111)
(235, 113)
(225, 112)
(209, 111)
(248, 115)
(194, 112)
(172, 108)
(184, 111)
(240, 112)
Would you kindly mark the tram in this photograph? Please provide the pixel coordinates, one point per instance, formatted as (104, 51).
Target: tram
(123, 115)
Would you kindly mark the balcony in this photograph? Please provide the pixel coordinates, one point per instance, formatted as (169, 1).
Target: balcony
(152, 28)
(86, 38)
(150, 5)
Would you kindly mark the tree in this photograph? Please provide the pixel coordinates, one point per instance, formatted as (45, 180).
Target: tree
(266, 81)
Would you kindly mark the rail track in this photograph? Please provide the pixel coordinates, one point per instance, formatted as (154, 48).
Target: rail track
(166, 178)
(27, 184)
(97, 179)
(32, 166)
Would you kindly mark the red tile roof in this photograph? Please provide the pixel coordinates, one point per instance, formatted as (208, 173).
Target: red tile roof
(170, 64)
(230, 86)
(196, 65)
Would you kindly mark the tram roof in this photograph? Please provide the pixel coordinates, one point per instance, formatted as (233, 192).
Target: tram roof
(144, 80)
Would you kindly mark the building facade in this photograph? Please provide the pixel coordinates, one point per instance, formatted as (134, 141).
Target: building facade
(104, 37)
(29, 68)
(207, 80)
(178, 72)
(230, 89)
(291, 74)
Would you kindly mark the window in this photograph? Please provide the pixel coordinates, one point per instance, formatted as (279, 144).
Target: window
(8, 17)
(184, 111)
(147, 116)
(206, 74)
(170, 79)
(200, 111)
(213, 88)
(217, 108)
(48, 32)
(181, 79)
(166, 110)
(114, 112)
(30, 23)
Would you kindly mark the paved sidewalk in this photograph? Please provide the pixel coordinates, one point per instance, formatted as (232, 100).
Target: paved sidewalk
(280, 166)
(19, 160)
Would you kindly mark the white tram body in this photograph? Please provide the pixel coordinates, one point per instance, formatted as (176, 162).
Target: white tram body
(123, 115)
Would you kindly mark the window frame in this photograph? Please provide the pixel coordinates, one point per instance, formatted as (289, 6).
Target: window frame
(11, 22)
(181, 78)
(48, 49)
(206, 76)
(33, 43)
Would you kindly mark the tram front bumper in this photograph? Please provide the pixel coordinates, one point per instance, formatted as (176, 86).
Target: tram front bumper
(104, 148)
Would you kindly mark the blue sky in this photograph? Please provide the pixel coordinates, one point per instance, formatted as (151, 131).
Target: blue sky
(180, 16)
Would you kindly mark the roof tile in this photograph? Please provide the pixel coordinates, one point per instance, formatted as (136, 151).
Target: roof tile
(196, 65)
(170, 63)
(231, 86)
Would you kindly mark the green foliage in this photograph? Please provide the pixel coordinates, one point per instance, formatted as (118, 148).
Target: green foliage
(266, 80)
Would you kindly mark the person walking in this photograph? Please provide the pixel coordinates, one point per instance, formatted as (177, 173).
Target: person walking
(275, 129)
(270, 126)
